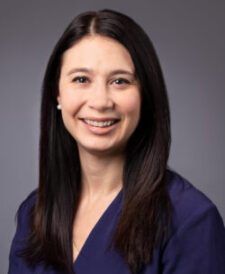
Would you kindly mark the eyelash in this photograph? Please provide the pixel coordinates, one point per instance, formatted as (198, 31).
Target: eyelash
(83, 80)
(124, 81)
(79, 78)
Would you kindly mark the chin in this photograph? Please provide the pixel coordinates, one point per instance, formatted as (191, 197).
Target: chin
(103, 150)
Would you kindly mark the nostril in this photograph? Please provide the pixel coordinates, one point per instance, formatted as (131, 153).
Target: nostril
(101, 103)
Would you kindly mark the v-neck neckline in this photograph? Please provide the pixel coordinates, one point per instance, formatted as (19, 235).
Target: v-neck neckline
(93, 230)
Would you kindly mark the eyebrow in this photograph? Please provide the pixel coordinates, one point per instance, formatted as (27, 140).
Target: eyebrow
(114, 72)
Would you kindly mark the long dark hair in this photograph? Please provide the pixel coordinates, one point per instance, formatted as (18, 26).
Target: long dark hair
(144, 180)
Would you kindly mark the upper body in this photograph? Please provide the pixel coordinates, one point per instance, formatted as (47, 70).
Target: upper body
(196, 243)
(104, 148)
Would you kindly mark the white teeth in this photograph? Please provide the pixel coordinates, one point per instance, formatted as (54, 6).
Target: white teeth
(99, 123)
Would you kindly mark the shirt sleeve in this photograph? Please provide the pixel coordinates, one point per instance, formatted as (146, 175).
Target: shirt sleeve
(198, 245)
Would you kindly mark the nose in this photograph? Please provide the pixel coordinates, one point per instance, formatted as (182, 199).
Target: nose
(99, 98)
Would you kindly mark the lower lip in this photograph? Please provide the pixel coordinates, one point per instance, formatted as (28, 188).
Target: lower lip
(100, 130)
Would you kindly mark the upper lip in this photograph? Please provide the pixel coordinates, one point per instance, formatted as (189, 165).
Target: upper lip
(100, 119)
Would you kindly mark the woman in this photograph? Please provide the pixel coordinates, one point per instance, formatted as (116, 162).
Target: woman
(106, 202)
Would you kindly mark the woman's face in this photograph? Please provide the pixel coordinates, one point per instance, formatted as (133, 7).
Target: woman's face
(99, 94)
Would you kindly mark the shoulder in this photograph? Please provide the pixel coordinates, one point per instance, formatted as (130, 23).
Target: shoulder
(184, 196)
(189, 205)
(24, 210)
(29, 202)
(197, 231)
(22, 231)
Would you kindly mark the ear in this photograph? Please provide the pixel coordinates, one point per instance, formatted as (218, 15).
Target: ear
(59, 100)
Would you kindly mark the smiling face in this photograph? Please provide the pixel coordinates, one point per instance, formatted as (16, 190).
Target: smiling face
(99, 94)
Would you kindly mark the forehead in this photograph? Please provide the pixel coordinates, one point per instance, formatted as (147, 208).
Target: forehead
(97, 51)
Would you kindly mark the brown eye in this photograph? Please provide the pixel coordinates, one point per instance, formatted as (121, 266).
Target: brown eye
(81, 79)
(121, 81)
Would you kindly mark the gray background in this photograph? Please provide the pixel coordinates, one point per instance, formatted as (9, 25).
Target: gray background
(190, 41)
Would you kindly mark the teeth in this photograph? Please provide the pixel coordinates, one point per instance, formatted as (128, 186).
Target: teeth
(99, 123)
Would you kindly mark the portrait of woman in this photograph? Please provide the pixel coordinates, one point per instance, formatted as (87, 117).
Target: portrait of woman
(107, 202)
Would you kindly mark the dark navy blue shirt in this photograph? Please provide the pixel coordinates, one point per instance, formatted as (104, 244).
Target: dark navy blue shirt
(196, 244)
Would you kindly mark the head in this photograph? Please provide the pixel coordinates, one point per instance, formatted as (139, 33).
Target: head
(146, 150)
(99, 95)
(154, 113)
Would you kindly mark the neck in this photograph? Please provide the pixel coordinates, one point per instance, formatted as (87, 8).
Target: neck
(101, 176)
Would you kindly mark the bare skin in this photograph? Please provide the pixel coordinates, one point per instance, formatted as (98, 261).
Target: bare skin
(98, 191)
(98, 86)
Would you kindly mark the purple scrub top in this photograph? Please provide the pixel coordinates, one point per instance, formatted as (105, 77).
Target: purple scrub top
(196, 245)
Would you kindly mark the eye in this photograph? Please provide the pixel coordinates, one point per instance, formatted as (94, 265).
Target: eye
(121, 81)
(81, 79)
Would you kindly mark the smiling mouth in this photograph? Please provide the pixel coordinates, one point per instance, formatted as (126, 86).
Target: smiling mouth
(101, 124)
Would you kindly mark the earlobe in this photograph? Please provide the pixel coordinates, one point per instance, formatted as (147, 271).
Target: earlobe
(59, 103)
(58, 99)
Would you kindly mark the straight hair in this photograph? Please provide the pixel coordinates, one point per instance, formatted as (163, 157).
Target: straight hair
(144, 175)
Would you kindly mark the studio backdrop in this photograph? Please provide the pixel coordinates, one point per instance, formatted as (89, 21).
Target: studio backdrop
(189, 39)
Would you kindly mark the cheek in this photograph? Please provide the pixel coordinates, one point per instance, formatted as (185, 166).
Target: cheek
(71, 103)
(131, 106)
(70, 107)
(69, 99)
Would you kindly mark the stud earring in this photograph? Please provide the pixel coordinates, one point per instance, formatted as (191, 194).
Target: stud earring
(59, 106)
